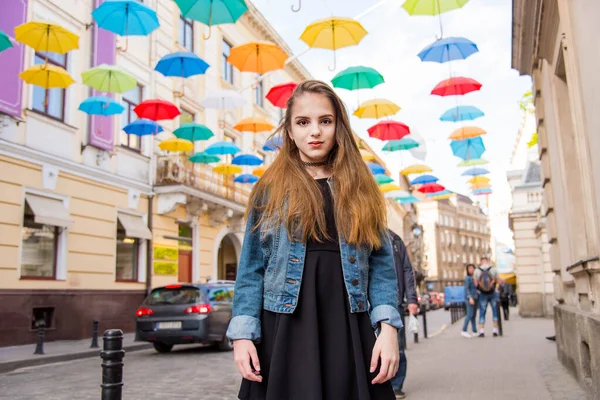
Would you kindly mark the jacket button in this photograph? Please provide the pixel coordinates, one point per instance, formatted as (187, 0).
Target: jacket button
(355, 282)
(360, 305)
(352, 259)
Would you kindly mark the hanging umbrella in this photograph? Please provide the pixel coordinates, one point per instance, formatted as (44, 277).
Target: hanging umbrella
(396, 193)
(466, 133)
(333, 33)
(432, 7)
(367, 156)
(407, 200)
(223, 100)
(247, 159)
(156, 110)
(376, 108)
(46, 37)
(421, 151)
(482, 191)
(388, 187)
(193, 132)
(462, 113)
(456, 86)
(468, 148)
(382, 179)
(254, 124)
(423, 179)
(212, 12)
(475, 171)
(258, 57)
(389, 130)
(478, 179)
(431, 188)
(47, 76)
(473, 162)
(480, 186)
(402, 144)
(181, 64)
(441, 196)
(227, 169)
(416, 169)
(279, 94)
(273, 144)
(360, 77)
(444, 192)
(259, 171)
(109, 78)
(5, 42)
(376, 168)
(101, 105)
(533, 141)
(203, 158)
(126, 18)
(222, 148)
(448, 49)
(142, 127)
(175, 144)
(246, 178)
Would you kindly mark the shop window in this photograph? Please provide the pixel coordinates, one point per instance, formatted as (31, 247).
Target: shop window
(42, 314)
(132, 232)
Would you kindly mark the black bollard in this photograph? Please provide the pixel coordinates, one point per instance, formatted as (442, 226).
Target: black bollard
(94, 335)
(500, 330)
(416, 337)
(39, 347)
(112, 365)
(424, 314)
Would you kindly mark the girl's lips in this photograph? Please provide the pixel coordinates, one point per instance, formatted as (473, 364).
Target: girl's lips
(315, 144)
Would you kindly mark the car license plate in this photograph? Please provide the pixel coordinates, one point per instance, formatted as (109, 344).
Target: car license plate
(169, 325)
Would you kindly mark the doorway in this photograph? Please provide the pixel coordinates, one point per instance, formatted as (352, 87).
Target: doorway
(185, 264)
(227, 260)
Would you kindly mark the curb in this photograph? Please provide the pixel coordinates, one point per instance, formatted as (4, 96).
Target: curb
(10, 366)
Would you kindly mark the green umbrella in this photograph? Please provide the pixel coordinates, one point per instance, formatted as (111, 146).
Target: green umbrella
(382, 179)
(212, 12)
(203, 158)
(5, 42)
(109, 78)
(402, 144)
(360, 77)
(473, 162)
(193, 131)
(432, 7)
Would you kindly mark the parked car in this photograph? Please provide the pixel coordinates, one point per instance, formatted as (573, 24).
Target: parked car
(453, 294)
(435, 300)
(424, 302)
(186, 313)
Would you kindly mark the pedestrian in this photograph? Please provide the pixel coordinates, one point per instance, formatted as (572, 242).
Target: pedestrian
(486, 277)
(470, 302)
(406, 292)
(505, 291)
(316, 278)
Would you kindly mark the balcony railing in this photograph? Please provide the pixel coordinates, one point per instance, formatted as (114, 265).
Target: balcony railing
(176, 170)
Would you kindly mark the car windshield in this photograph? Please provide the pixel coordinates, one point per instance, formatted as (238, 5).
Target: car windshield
(173, 296)
(220, 294)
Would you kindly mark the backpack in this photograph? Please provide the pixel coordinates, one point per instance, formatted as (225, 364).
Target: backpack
(486, 281)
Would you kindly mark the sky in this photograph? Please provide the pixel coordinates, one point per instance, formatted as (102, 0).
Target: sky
(391, 46)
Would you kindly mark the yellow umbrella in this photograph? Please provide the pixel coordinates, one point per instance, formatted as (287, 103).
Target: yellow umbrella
(259, 171)
(376, 108)
(254, 124)
(366, 155)
(46, 37)
(175, 144)
(259, 57)
(389, 187)
(442, 197)
(533, 141)
(333, 33)
(466, 132)
(416, 169)
(227, 169)
(47, 76)
(479, 179)
(480, 186)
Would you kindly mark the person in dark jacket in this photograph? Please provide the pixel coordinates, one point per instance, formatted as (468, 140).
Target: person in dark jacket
(505, 290)
(470, 300)
(406, 292)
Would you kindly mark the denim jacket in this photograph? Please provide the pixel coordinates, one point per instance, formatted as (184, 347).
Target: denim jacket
(470, 289)
(270, 275)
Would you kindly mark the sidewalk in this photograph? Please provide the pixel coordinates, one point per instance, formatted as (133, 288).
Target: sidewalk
(16, 357)
(522, 364)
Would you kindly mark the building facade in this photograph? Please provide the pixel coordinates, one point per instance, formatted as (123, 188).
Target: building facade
(555, 42)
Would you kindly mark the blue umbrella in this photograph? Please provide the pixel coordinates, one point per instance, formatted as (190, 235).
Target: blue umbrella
(101, 105)
(468, 148)
(376, 168)
(436, 194)
(142, 127)
(448, 49)
(246, 159)
(462, 113)
(273, 144)
(407, 200)
(475, 171)
(420, 180)
(181, 64)
(222, 148)
(246, 178)
(482, 191)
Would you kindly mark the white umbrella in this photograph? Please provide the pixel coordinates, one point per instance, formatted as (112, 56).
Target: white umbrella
(421, 151)
(223, 100)
(397, 193)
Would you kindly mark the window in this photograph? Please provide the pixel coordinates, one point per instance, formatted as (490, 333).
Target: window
(186, 117)
(174, 296)
(470, 241)
(463, 240)
(441, 220)
(227, 69)
(229, 137)
(127, 255)
(442, 238)
(186, 33)
(130, 100)
(39, 247)
(471, 258)
(461, 223)
(259, 92)
(453, 238)
(443, 256)
(50, 102)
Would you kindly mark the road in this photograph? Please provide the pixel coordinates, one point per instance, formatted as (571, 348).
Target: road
(437, 321)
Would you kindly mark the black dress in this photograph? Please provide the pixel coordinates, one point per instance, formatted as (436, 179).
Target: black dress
(321, 351)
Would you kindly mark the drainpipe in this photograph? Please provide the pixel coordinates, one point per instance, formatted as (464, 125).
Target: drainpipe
(149, 247)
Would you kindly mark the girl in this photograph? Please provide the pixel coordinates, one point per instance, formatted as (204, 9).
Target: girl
(470, 300)
(316, 257)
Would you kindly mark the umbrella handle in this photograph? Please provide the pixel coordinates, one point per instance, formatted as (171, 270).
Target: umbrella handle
(209, 23)
(299, 6)
(124, 49)
(334, 62)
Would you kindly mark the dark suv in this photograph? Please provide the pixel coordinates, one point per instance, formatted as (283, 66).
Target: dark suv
(186, 313)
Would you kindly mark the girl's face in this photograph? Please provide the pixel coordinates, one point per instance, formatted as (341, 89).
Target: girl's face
(470, 270)
(313, 126)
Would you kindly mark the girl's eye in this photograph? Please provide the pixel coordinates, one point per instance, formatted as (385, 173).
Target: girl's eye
(302, 122)
(326, 121)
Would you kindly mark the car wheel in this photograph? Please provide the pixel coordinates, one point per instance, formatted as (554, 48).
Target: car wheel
(225, 344)
(162, 347)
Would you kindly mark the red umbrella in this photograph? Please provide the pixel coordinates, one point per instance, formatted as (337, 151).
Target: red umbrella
(389, 130)
(456, 86)
(431, 188)
(156, 110)
(280, 94)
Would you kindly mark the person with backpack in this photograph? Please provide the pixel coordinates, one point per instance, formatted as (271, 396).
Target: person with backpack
(486, 277)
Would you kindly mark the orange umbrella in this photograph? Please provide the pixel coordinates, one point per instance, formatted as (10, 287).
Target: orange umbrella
(259, 171)
(466, 132)
(254, 124)
(259, 57)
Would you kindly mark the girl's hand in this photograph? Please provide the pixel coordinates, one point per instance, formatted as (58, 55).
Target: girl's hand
(245, 356)
(386, 348)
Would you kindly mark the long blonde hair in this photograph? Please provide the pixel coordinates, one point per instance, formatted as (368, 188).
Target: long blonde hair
(287, 194)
